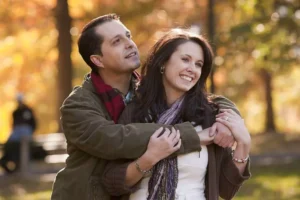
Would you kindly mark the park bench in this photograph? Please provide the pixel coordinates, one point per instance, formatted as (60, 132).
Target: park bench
(47, 148)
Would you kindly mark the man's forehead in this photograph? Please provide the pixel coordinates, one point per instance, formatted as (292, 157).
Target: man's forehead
(111, 29)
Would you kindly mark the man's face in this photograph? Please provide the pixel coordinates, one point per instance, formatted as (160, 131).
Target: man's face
(119, 52)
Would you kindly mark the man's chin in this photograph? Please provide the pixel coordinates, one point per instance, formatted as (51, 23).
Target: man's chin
(136, 66)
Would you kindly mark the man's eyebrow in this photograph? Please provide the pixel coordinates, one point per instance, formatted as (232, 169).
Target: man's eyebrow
(116, 36)
(120, 35)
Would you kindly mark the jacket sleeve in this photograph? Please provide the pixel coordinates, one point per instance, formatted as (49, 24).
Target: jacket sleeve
(113, 178)
(224, 103)
(86, 127)
(230, 178)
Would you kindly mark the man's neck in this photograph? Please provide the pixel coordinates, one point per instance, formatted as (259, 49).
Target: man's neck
(118, 81)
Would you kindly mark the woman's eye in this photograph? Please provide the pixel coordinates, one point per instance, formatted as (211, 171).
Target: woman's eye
(199, 65)
(185, 59)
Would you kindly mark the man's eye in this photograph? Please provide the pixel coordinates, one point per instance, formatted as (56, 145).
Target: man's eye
(116, 41)
(129, 36)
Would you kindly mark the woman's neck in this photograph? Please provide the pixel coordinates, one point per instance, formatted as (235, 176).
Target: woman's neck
(173, 96)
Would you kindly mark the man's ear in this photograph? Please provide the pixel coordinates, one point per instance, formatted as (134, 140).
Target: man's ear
(97, 60)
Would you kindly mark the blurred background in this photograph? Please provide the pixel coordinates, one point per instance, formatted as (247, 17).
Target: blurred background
(257, 66)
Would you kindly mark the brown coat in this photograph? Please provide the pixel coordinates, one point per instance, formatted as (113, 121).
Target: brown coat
(93, 139)
(222, 179)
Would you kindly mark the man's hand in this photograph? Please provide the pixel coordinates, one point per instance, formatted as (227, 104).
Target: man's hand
(205, 137)
(222, 135)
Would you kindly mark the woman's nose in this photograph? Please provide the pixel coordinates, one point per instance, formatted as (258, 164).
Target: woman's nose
(190, 68)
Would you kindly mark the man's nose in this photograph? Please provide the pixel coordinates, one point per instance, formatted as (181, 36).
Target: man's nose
(129, 43)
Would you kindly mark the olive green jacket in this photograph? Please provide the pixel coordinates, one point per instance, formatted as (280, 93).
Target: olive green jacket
(93, 139)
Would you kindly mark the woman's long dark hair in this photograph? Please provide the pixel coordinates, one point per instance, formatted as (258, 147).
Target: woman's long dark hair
(151, 97)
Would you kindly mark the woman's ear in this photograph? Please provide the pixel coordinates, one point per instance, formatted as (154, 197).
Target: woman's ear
(97, 60)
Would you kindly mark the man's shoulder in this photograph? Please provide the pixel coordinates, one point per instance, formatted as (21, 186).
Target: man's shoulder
(86, 89)
(219, 99)
(223, 102)
(81, 95)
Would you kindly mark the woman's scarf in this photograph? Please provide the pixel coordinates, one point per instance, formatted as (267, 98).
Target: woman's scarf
(163, 182)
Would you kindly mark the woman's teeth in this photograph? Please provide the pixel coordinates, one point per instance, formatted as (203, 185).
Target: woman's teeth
(186, 78)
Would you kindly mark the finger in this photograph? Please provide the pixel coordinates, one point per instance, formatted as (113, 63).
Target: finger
(177, 146)
(227, 114)
(225, 122)
(231, 112)
(158, 132)
(175, 140)
(222, 141)
(177, 137)
(225, 142)
(217, 139)
(231, 144)
(212, 130)
(165, 134)
(172, 134)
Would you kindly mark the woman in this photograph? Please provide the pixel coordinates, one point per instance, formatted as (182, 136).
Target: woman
(173, 90)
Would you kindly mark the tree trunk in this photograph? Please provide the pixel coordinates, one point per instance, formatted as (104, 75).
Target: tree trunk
(64, 45)
(211, 31)
(269, 123)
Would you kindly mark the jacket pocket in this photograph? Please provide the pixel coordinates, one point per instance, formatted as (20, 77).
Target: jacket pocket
(95, 189)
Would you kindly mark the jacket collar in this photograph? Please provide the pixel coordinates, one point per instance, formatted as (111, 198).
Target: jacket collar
(88, 84)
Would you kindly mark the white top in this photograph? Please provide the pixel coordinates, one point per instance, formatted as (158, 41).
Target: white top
(191, 178)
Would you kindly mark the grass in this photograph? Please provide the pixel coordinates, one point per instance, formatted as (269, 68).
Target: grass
(280, 182)
(14, 188)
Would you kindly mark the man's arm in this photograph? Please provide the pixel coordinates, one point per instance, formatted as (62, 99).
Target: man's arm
(86, 127)
(224, 103)
(115, 178)
(231, 179)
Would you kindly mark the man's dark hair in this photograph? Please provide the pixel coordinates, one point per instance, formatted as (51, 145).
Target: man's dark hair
(89, 42)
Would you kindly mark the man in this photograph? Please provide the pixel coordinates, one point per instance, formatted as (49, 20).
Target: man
(90, 112)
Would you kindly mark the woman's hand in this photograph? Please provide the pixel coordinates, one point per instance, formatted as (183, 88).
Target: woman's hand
(236, 125)
(162, 144)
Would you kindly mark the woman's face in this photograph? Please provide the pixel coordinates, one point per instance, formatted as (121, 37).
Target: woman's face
(183, 69)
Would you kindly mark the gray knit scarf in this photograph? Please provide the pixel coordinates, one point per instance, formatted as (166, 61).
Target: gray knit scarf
(163, 182)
